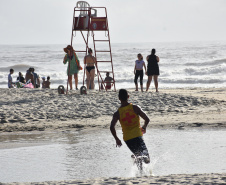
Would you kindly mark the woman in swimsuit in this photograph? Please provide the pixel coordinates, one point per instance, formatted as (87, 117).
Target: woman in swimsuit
(74, 65)
(153, 69)
(90, 63)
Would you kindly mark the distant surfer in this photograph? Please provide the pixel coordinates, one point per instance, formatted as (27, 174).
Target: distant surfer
(153, 69)
(129, 118)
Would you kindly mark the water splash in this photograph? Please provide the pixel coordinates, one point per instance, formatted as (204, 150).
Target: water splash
(140, 169)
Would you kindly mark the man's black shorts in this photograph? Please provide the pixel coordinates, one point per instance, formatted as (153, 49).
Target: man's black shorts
(137, 146)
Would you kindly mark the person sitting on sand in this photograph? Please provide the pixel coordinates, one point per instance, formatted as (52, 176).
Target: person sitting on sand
(29, 76)
(129, 118)
(20, 78)
(46, 83)
(10, 79)
(108, 81)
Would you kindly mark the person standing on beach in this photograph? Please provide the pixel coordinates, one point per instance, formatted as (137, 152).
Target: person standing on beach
(10, 79)
(74, 65)
(36, 78)
(90, 63)
(138, 71)
(153, 69)
(129, 118)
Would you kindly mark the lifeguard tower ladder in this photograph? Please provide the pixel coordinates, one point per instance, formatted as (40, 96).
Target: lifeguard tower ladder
(85, 19)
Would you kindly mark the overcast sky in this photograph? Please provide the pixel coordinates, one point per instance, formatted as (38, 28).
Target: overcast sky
(50, 21)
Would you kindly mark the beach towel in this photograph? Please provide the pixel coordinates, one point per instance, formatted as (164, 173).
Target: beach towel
(30, 85)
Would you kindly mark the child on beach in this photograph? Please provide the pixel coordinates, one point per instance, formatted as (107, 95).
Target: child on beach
(129, 118)
(46, 83)
(108, 81)
(10, 79)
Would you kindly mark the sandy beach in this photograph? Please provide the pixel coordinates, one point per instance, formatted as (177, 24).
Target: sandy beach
(25, 110)
(38, 109)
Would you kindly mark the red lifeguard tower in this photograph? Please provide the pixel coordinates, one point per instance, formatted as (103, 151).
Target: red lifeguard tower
(86, 21)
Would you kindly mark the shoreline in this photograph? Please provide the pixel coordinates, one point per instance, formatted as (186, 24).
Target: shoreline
(205, 178)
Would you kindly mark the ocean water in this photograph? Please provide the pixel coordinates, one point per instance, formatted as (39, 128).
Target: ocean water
(182, 64)
(53, 156)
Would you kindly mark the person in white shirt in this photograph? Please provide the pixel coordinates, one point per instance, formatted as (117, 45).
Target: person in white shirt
(138, 71)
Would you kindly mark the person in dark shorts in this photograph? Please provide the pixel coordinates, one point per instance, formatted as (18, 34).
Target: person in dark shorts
(153, 69)
(129, 118)
(90, 62)
(138, 71)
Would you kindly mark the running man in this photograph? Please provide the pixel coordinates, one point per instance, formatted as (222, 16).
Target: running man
(129, 118)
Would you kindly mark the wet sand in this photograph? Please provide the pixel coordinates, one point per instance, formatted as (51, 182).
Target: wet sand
(213, 178)
(23, 110)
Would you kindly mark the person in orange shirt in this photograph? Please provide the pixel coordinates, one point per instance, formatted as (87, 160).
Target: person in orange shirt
(129, 118)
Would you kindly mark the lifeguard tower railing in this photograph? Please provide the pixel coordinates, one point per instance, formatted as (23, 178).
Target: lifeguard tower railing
(85, 20)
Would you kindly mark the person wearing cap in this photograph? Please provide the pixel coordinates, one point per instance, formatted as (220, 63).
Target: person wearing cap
(74, 65)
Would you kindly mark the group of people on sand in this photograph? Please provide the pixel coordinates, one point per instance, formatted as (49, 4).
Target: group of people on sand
(75, 67)
(152, 70)
(30, 78)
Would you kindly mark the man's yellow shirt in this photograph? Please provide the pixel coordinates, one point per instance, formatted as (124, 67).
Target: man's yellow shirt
(130, 122)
